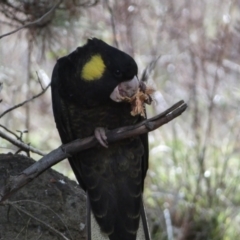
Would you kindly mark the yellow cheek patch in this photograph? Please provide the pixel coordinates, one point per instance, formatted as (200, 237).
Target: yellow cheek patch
(93, 69)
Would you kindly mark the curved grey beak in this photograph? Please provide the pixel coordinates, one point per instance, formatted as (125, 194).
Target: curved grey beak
(125, 89)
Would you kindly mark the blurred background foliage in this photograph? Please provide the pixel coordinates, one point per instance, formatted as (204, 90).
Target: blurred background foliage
(191, 50)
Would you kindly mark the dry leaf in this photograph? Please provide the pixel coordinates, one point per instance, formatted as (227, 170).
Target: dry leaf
(138, 100)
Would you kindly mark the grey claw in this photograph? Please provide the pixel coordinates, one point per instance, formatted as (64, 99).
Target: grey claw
(100, 135)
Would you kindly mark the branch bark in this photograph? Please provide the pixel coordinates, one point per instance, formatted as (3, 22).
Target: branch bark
(23, 146)
(14, 183)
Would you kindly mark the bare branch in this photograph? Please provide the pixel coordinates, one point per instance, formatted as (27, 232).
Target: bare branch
(26, 101)
(21, 134)
(66, 150)
(34, 22)
(23, 146)
(9, 131)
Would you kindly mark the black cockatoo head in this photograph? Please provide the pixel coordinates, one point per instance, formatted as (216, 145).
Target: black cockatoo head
(96, 73)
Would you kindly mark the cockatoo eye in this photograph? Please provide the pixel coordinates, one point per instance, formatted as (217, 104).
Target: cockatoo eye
(118, 73)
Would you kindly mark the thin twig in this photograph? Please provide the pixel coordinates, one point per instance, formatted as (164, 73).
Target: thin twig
(37, 219)
(34, 22)
(23, 146)
(17, 237)
(47, 207)
(39, 80)
(9, 131)
(26, 101)
(21, 134)
(66, 150)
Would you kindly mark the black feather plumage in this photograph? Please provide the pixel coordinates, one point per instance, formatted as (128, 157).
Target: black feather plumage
(113, 177)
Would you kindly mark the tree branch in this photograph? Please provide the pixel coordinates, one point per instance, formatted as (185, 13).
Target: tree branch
(34, 22)
(26, 101)
(23, 146)
(14, 183)
(9, 131)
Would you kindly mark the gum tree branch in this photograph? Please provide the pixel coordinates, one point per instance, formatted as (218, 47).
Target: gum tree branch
(14, 183)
